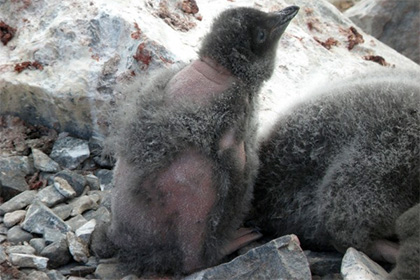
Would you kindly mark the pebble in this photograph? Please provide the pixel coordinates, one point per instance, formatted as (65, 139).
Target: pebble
(13, 218)
(50, 196)
(357, 266)
(27, 260)
(16, 235)
(78, 248)
(43, 162)
(38, 275)
(21, 249)
(81, 204)
(64, 188)
(76, 181)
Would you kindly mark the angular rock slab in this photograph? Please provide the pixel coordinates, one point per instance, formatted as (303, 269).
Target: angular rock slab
(39, 217)
(43, 162)
(18, 202)
(357, 266)
(281, 258)
(69, 152)
(29, 261)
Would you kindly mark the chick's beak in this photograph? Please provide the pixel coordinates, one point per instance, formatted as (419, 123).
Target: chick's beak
(281, 19)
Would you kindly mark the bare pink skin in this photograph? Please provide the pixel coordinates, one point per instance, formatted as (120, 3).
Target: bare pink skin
(200, 82)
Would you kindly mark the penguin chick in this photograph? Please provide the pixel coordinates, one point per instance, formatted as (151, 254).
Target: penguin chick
(408, 259)
(340, 167)
(185, 150)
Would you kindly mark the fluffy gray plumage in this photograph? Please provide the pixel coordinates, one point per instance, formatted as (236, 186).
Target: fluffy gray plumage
(172, 132)
(340, 167)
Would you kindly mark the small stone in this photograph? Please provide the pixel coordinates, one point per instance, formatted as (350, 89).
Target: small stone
(16, 235)
(38, 275)
(2, 238)
(38, 244)
(3, 256)
(93, 182)
(64, 188)
(43, 162)
(12, 175)
(69, 152)
(50, 196)
(57, 253)
(21, 249)
(76, 222)
(281, 258)
(85, 231)
(81, 204)
(324, 263)
(62, 210)
(105, 178)
(13, 218)
(3, 229)
(356, 265)
(78, 249)
(18, 202)
(29, 261)
(53, 235)
(39, 217)
(101, 214)
(55, 275)
(82, 270)
(108, 271)
(77, 181)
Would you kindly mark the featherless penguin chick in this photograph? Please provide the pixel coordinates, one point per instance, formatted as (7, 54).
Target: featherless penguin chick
(340, 167)
(186, 151)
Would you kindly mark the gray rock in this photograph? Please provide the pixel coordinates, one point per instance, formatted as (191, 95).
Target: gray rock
(17, 202)
(13, 218)
(81, 204)
(50, 196)
(57, 253)
(21, 249)
(3, 229)
(43, 162)
(16, 235)
(82, 270)
(356, 265)
(69, 152)
(2, 238)
(12, 175)
(64, 188)
(38, 244)
(84, 232)
(76, 222)
(62, 210)
(55, 275)
(39, 217)
(29, 261)
(324, 263)
(78, 248)
(3, 256)
(93, 182)
(281, 258)
(105, 178)
(38, 275)
(53, 235)
(77, 181)
(395, 23)
(108, 271)
(102, 214)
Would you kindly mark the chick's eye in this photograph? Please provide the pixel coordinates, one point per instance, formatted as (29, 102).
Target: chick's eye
(261, 36)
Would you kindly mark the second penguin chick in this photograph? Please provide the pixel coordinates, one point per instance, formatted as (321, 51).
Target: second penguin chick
(340, 167)
(185, 150)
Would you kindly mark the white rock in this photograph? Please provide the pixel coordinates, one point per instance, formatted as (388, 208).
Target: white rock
(28, 261)
(357, 266)
(88, 47)
(13, 218)
(84, 232)
(64, 188)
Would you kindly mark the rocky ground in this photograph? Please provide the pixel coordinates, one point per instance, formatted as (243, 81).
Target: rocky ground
(55, 188)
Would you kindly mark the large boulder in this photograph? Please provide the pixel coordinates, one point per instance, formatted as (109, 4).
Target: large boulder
(62, 61)
(395, 23)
